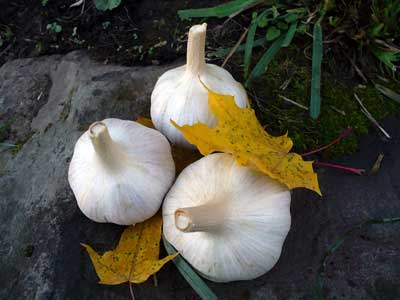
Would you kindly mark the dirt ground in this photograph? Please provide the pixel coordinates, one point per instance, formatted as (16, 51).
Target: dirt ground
(137, 32)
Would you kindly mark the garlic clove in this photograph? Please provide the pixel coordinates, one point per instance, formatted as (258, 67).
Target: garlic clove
(120, 171)
(228, 221)
(179, 94)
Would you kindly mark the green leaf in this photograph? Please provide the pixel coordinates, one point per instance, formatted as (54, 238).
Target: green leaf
(263, 22)
(54, 27)
(104, 5)
(262, 64)
(290, 34)
(315, 102)
(194, 280)
(388, 57)
(273, 33)
(219, 11)
(57, 28)
(302, 28)
(275, 11)
(291, 18)
(282, 25)
(333, 21)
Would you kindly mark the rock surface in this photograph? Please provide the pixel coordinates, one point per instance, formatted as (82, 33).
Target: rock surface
(49, 101)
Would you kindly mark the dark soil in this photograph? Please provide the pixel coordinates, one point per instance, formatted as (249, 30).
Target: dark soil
(137, 32)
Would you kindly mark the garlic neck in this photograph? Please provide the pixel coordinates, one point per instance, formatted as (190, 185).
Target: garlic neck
(104, 146)
(207, 217)
(195, 60)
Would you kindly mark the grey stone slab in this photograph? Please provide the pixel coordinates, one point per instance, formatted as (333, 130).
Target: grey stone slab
(50, 101)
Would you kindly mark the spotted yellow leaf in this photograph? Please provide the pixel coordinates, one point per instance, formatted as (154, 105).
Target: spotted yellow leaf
(136, 256)
(238, 132)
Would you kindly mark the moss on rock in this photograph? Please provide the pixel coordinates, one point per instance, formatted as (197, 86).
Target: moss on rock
(279, 116)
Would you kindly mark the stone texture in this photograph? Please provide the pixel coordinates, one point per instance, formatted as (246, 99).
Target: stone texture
(50, 101)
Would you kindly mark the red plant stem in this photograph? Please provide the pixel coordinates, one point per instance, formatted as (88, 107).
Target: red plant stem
(131, 290)
(344, 133)
(349, 169)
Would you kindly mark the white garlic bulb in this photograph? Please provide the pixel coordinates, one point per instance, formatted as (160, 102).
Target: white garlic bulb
(120, 171)
(228, 221)
(180, 96)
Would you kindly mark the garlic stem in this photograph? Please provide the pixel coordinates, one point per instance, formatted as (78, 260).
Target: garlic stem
(102, 143)
(195, 57)
(207, 217)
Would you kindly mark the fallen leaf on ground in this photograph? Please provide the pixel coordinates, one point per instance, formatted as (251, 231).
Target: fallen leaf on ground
(136, 256)
(377, 165)
(239, 133)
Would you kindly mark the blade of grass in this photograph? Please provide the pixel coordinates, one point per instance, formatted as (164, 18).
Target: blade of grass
(249, 46)
(315, 101)
(7, 145)
(290, 34)
(262, 64)
(190, 275)
(370, 117)
(248, 50)
(388, 92)
(293, 102)
(319, 283)
(219, 11)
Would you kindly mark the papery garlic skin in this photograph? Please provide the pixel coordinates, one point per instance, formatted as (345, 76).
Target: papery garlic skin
(228, 221)
(120, 171)
(180, 96)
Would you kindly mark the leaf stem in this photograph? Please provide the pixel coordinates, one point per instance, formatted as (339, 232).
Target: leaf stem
(343, 134)
(334, 166)
(131, 291)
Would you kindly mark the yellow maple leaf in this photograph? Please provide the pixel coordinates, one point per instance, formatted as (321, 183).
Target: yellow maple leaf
(136, 256)
(238, 132)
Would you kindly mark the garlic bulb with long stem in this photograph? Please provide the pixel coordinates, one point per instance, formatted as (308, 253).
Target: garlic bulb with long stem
(179, 94)
(120, 171)
(228, 221)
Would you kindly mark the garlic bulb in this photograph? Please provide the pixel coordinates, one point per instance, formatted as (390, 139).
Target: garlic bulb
(179, 94)
(120, 171)
(228, 221)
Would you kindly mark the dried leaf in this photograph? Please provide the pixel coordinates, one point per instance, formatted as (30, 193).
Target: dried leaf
(238, 132)
(136, 256)
(145, 122)
(377, 165)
